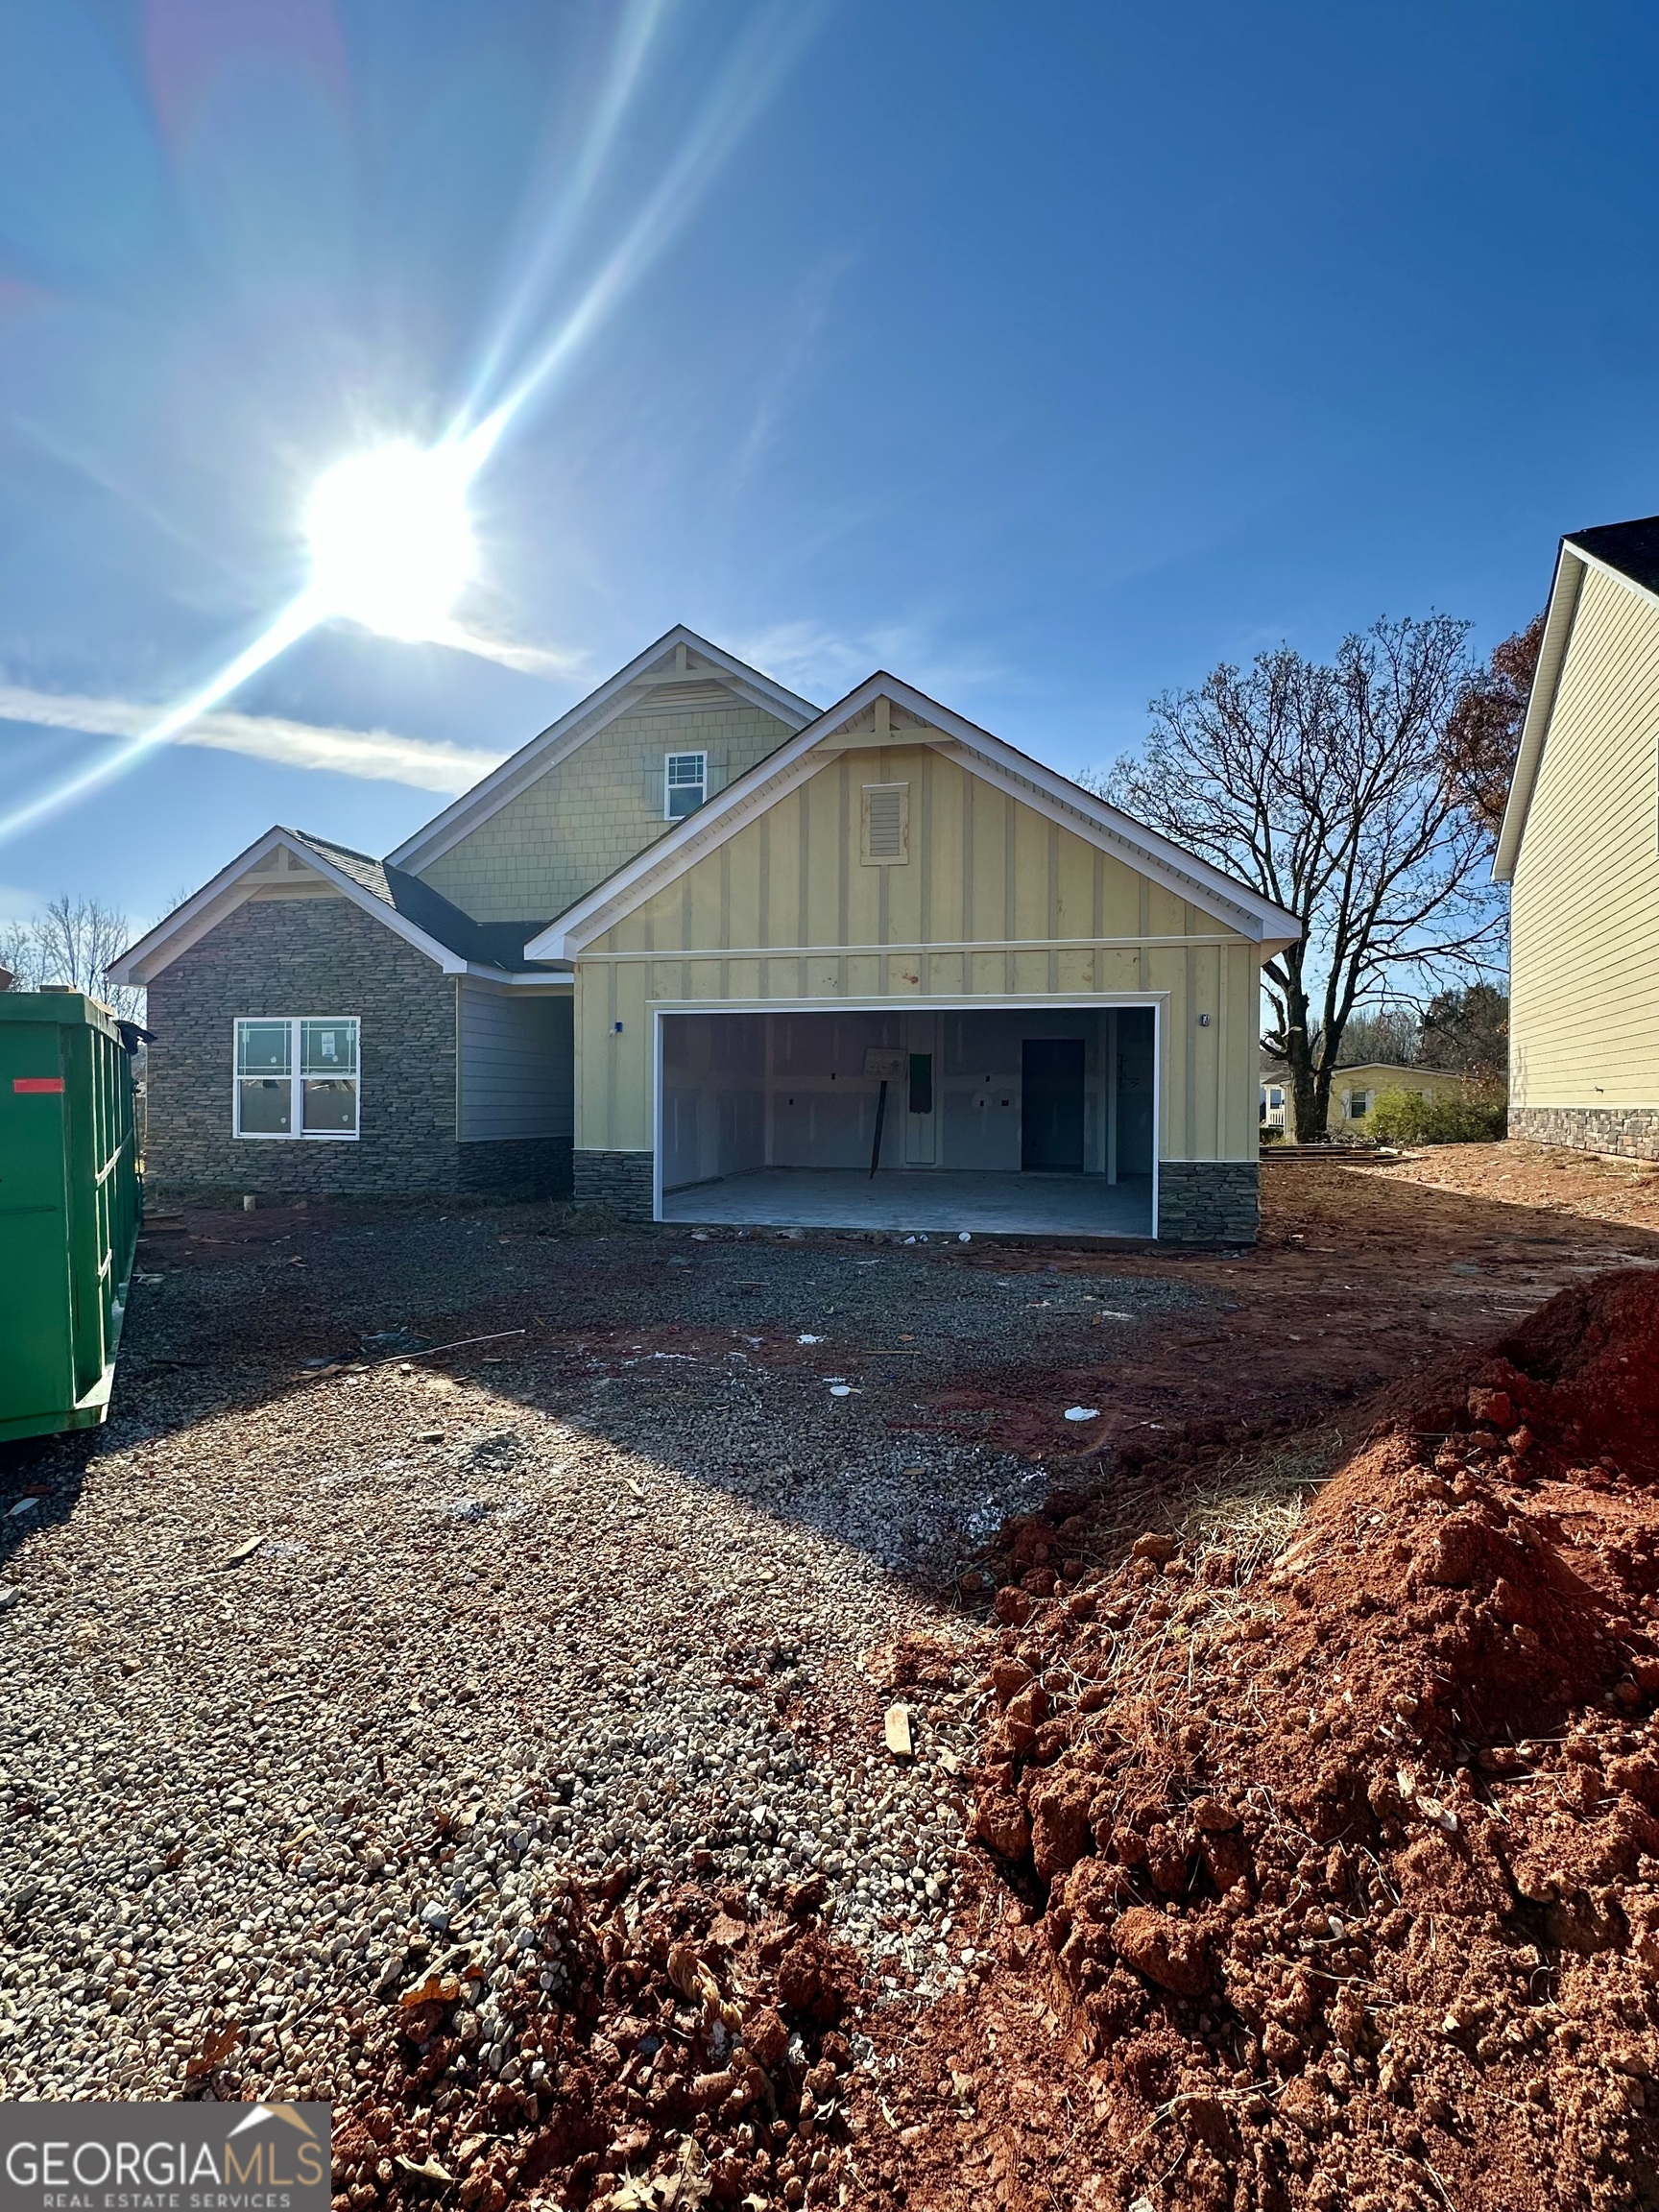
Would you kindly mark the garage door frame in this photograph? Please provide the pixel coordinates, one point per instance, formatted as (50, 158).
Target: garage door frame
(997, 1003)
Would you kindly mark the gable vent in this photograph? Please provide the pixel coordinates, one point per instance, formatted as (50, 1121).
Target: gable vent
(663, 695)
(886, 822)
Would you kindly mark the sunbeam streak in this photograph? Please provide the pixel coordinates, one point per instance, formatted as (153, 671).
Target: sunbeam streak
(296, 618)
(391, 540)
(635, 36)
(746, 83)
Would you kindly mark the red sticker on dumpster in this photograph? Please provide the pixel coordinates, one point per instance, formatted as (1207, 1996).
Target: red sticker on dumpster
(36, 1082)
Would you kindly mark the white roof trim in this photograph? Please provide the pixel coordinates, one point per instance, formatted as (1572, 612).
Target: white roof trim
(1568, 580)
(586, 719)
(1571, 564)
(231, 888)
(811, 748)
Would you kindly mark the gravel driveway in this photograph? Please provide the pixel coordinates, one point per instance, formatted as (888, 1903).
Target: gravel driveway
(316, 1673)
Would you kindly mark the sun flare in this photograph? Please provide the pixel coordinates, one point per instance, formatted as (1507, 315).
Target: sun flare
(391, 538)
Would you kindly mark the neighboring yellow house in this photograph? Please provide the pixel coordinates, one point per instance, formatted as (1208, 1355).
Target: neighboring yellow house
(1579, 847)
(1355, 1091)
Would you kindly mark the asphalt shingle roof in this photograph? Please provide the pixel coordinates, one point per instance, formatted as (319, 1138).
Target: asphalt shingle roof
(491, 943)
(1630, 548)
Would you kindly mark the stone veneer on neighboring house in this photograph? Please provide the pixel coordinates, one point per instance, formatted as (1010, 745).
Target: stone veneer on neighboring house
(318, 956)
(1628, 1132)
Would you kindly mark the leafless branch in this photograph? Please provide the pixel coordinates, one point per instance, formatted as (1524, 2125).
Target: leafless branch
(1328, 789)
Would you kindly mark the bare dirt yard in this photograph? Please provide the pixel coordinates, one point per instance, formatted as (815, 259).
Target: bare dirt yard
(492, 1738)
(1539, 1175)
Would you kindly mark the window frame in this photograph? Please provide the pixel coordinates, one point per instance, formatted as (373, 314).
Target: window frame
(669, 786)
(297, 1132)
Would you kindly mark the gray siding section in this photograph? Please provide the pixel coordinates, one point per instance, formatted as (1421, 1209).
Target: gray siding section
(518, 1067)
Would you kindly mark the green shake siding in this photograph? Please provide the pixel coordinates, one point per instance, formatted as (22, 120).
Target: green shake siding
(596, 809)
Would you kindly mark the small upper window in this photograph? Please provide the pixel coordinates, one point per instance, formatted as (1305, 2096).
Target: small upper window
(886, 823)
(686, 783)
(296, 1076)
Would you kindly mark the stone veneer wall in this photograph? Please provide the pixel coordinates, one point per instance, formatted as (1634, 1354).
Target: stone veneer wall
(515, 1167)
(1199, 1201)
(289, 956)
(1209, 1201)
(1633, 1132)
(296, 956)
(623, 1181)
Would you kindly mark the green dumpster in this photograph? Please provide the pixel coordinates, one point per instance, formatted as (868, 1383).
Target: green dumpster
(68, 1208)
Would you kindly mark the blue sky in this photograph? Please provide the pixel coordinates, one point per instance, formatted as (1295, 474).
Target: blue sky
(1043, 355)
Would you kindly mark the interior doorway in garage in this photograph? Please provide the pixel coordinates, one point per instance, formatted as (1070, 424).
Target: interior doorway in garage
(1034, 1119)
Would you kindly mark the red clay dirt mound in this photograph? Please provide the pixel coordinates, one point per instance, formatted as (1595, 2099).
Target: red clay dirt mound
(1348, 1868)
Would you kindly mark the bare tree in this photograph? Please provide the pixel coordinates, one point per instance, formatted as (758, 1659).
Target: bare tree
(16, 956)
(1327, 789)
(72, 942)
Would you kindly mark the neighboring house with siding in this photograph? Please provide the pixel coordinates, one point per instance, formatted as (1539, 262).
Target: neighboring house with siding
(1353, 1093)
(703, 951)
(1580, 849)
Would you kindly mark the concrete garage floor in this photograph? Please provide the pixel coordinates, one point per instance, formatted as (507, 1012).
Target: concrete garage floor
(1027, 1205)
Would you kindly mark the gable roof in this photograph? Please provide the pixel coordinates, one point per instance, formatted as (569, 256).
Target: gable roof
(926, 722)
(1631, 548)
(1629, 553)
(406, 906)
(679, 657)
(1394, 1067)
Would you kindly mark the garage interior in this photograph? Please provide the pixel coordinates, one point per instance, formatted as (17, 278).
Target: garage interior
(1027, 1121)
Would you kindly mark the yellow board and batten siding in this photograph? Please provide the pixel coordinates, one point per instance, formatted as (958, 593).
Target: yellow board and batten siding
(1584, 912)
(786, 910)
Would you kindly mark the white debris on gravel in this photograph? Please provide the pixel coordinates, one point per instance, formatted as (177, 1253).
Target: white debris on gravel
(222, 1781)
(498, 1627)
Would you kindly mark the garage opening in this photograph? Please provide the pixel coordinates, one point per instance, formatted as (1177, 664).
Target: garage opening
(1032, 1120)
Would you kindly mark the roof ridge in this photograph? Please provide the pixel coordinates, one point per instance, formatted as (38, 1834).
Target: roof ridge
(331, 845)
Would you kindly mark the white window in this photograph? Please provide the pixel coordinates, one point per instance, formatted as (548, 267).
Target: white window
(885, 824)
(1276, 1096)
(298, 1077)
(1358, 1105)
(685, 783)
